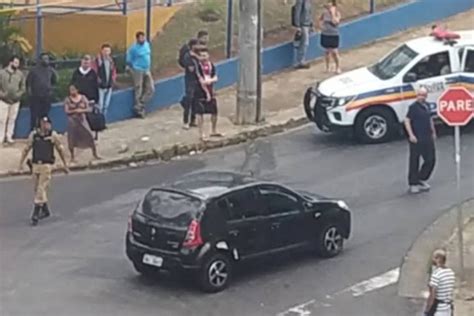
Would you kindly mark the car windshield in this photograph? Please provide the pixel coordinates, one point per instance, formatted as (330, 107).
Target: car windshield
(393, 63)
(170, 208)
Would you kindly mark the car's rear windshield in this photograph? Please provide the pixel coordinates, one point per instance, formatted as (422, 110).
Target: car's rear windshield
(393, 63)
(170, 208)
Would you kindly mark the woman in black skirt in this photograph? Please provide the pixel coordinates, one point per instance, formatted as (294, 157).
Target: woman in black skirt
(205, 101)
(329, 25)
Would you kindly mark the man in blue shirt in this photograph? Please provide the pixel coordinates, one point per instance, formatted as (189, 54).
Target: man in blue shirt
(139, 64)
(421, 135)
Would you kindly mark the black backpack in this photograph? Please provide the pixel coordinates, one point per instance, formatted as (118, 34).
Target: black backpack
(96, 119)
(182, 53)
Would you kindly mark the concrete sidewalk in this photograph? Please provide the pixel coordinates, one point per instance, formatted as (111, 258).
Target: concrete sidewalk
(464, 304)
(160, 135)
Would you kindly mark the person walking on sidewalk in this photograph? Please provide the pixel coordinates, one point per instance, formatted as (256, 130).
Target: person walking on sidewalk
(441, 287)
(106, 70)
(303, 21)
(79, 134)
(139, 64)
(85, 80)
(421, 135)
(39, 86)
(190, 63)
(329, 25)
(43, 141)
(12, 87)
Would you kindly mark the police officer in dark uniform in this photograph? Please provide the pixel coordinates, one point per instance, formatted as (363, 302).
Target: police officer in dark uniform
(43, 141)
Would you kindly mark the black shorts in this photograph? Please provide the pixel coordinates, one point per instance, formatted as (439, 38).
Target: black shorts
(202, 106)
(330, 41)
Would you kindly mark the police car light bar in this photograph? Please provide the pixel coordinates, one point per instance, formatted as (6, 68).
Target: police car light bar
(442, 34)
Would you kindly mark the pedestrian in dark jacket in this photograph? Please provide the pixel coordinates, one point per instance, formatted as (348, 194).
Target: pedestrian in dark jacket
(86, 81)
(421, 135)
(106, 70)
(39, 86)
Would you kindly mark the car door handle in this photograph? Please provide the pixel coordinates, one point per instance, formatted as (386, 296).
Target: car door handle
(234, 232)
(275, 225)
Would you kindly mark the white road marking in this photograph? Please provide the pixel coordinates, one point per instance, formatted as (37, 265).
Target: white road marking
(375, 283)
(357, 290)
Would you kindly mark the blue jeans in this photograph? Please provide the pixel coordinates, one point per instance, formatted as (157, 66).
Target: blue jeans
(303, 46)
(104, 100)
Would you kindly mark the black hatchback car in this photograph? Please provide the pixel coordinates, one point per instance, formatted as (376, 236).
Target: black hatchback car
(208, 222)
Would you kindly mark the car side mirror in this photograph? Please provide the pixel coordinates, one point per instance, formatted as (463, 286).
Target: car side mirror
(410, 77)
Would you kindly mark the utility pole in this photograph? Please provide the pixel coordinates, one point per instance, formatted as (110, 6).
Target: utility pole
(247, 87)
(39, 29)
(149, 8)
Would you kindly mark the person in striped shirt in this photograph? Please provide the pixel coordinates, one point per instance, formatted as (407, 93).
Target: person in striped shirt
(441, 287)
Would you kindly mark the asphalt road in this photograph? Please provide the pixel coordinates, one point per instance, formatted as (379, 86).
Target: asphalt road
(74, 264)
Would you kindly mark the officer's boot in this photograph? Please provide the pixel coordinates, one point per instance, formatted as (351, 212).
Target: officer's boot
(45, 212)
(34, 216)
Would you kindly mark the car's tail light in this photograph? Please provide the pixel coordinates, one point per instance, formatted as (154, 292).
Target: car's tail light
(193, 236)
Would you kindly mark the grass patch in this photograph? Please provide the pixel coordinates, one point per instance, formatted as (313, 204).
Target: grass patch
(276, 22)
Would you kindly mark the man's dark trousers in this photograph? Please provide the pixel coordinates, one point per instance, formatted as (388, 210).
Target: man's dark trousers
(187, 103)
(426, 151)
(39, 107)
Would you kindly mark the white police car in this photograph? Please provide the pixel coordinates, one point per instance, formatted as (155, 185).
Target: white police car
(373, 101)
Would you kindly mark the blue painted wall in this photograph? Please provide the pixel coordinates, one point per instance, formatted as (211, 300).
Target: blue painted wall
(276, 58)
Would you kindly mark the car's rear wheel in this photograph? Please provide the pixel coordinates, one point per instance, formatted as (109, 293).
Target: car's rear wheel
(330, 241)
(215, 273)
(145, 270)
(377, 125)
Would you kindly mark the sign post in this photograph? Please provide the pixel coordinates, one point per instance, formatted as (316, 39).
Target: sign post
(456, 108)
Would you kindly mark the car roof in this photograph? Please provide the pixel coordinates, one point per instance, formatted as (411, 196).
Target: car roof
(210, 184)
(429, 45)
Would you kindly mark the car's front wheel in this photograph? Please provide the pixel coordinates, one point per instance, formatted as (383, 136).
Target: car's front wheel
(377, 125)
(215, 273)
(330, 241)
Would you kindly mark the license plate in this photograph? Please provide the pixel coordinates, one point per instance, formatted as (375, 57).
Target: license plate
(152, 260)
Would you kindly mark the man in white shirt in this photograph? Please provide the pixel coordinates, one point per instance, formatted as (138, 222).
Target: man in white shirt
(441, 287)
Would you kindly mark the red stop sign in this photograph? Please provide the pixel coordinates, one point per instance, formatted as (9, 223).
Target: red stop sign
(456, 106)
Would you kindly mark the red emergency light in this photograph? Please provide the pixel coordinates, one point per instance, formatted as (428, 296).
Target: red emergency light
(443, 34)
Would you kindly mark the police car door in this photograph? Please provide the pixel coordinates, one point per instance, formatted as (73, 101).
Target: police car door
(433, 72)
(467, 71)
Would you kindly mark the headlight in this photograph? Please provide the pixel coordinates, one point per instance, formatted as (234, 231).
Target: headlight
(343, 205)
(344, 101)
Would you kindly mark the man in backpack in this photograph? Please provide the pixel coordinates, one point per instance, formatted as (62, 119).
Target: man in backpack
(302, 19)
(190, 63)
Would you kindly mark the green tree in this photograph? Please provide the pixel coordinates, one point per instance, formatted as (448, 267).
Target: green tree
(11, 40)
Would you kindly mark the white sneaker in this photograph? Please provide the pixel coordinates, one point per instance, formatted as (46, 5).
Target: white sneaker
(414, 189)
(424, 186)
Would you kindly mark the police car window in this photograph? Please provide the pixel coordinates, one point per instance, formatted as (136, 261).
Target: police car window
(393, 63)
(432, 66)
(469, 64)
(239, 205)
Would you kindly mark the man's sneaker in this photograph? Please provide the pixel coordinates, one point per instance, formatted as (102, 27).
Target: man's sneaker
(424, 186)
(414, 189)
(302, 66)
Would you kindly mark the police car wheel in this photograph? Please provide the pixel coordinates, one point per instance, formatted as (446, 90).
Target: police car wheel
(376, 125)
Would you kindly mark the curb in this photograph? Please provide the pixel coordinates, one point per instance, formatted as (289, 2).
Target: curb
(415, 264)
(168, 152)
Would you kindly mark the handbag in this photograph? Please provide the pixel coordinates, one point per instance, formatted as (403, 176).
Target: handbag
(96, 119)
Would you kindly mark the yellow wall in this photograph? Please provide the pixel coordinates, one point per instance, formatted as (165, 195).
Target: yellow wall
(81, 33)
